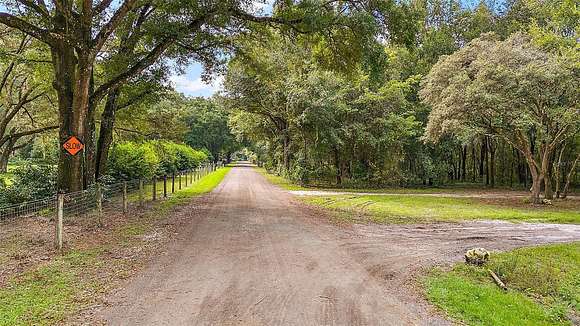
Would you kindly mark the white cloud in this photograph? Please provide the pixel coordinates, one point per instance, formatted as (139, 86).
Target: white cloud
(264, 6)
(196, 86)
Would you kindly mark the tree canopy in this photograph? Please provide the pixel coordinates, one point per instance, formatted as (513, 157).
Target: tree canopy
(509, 89)
(353, 93)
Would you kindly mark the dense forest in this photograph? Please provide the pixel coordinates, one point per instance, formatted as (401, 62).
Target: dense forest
(351, 93)
(485, 95)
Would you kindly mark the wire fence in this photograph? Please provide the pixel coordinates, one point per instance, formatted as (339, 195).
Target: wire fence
(30, 208)
(100, 196)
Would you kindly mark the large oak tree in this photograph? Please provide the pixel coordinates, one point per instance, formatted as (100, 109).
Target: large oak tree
(82, 33)
(507, 89)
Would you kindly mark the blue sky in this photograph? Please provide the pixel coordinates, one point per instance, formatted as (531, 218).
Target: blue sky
(190, 82)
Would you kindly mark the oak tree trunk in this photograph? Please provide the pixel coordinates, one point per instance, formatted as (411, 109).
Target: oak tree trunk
(286, 158)
(106, 134)
(464, 163)
(5, 152)
(548, 191)
(537, 179)
(90, 141)
(72, 78)
(569, 177)
(481, 159)
(491, 168)
(338, 167)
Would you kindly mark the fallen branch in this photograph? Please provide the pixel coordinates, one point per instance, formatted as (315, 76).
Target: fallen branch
(497, 280)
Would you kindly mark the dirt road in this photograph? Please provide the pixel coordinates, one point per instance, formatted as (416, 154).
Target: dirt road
(253, 256)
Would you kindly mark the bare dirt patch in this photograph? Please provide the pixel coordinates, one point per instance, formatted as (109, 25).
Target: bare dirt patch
(255, 256)
(118, 248)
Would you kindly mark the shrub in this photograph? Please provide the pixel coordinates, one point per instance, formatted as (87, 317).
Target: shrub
(208, 155)
(175, 157)
(129, 160)
(189, 158)
(30, 182)
(167, 153)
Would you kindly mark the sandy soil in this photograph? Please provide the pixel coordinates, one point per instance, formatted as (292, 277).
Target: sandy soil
(252, 255)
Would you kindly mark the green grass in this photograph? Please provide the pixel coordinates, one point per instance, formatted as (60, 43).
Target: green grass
(193, 188)
(200, 187)
(280, 181)
(47, 294)
(543, 282)
(415, 209)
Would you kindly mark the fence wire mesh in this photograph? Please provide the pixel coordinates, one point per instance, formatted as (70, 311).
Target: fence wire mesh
(36, 207)
(87, 202)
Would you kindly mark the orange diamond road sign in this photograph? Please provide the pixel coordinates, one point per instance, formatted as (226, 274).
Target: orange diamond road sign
(73, 145)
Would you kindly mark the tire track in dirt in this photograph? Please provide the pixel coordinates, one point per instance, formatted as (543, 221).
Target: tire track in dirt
(251, 255)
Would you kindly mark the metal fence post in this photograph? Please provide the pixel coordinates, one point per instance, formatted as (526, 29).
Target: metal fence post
(59, 218)
(141, 192)
(180, 173)
(154, 188)
(173, 182)
(186, 177)
(125, 199)
(99, 204)
(164, 186)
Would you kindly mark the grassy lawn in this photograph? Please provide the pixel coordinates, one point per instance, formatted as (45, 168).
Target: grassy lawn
(416, 209)
(202, 186)
(51, 291)
(280, 181)
(543, 288)
(196, 187)
(44, 295)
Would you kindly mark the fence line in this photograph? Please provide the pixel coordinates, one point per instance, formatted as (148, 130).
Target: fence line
(93, 200)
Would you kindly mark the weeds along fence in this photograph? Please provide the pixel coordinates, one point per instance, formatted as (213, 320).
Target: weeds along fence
(101, 196)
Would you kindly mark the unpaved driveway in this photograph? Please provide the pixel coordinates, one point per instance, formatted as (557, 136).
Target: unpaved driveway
(252, 256)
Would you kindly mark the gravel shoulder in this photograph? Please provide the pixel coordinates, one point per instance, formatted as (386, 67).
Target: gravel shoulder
(253, 255)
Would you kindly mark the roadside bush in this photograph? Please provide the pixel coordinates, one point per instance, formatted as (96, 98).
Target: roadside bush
(175, 157)
(131, 161)
(30, 182)
(167, 153)
(187, 157)
(207, 154)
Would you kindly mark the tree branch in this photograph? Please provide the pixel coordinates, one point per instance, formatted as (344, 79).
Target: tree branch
(236, 12)
(34, 6)
(102, 6)
(25, 133)
(147, 61)
(10, 67)
(111, 25)
(22, 25)
(134, 99)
